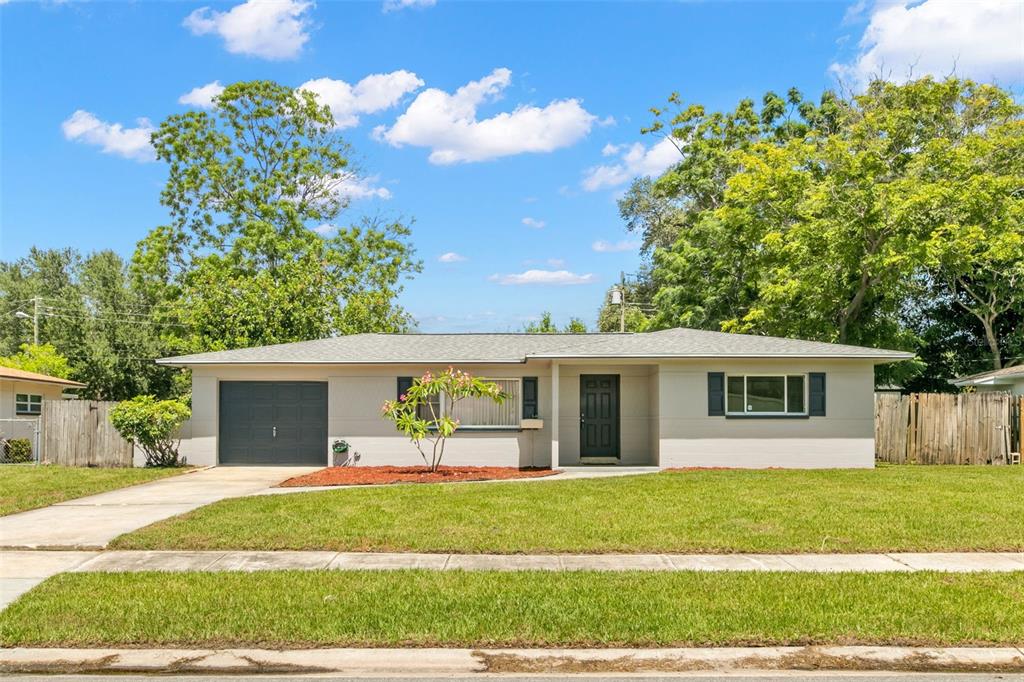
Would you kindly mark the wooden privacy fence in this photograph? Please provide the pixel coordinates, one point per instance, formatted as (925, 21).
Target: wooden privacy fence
(78, 433)
(947, 428)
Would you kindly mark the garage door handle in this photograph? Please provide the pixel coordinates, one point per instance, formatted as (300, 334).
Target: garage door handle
(275, 432)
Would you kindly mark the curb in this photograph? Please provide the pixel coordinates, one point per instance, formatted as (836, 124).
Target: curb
(511, 661)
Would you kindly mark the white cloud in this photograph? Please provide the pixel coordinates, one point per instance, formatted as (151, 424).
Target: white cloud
(602, 246)
(395, 5)
(326, 228)
(374, 93)
(269, 29)
(451, 257)
(550, 277)
(634, 160)
(202, 96)
(981, 39)
(362, 188)
(534, 223)
(113, 138)
(610, 149)
(448, 124)
(551, 262)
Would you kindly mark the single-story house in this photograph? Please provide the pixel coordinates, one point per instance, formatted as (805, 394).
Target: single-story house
(672, 398)
(22, 393)
(1009, 379)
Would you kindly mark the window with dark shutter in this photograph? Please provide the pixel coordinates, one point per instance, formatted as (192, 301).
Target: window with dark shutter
(816, 394)
(404, 384)
(716, 394)
(530, 402)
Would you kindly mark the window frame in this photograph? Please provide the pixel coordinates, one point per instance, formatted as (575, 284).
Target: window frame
(443, 399)
(28, 402)
(785, 395)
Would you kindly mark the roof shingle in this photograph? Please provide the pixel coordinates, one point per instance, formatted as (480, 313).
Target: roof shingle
(517, 348)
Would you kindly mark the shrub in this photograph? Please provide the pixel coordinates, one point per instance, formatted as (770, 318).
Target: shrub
(416, 413)
(152, 424)
(19, 450)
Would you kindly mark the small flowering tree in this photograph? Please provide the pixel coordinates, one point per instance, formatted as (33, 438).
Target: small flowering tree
(417, 412)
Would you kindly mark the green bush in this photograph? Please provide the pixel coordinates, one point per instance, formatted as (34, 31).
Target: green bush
(19, 450)
(152, 425)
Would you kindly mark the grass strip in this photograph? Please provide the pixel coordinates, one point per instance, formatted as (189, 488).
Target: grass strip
(892, 508)
(290, 609)
(25, 487)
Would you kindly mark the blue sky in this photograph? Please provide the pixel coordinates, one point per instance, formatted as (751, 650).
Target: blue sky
(516, 174)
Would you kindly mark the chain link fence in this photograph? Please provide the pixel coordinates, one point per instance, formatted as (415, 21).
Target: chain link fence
(19, 441)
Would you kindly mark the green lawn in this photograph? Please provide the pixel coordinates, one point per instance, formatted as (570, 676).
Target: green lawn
(24, 487)
(421, 608)
(926, 508)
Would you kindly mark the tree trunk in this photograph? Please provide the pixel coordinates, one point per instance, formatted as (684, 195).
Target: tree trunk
(993, 343)
(852, 309)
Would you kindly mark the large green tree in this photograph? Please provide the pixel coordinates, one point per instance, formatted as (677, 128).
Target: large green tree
(545, 325)
(90, 314)
(822, 220)
(252, 253)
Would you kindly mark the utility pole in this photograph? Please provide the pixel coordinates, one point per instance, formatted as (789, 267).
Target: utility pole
(35, 320)
(622, 302)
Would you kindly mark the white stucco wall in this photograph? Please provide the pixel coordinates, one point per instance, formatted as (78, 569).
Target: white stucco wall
(10, 389)
(664, 417)
(354, 398)
(1014, 386)
(842, 438)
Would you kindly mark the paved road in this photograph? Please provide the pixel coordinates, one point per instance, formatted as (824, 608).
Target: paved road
(803, 676)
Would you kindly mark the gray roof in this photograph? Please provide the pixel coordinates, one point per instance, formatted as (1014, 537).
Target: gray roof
(995, 376)
(517, 348)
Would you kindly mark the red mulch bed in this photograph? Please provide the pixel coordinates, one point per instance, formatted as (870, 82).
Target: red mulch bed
(358, 475)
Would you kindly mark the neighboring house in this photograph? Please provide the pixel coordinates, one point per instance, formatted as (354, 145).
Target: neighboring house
(672, 398)
(22, 393)
(1009, 379)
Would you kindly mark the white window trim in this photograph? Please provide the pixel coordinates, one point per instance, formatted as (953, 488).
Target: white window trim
(785, 395)
(443, 399)
(29, 403)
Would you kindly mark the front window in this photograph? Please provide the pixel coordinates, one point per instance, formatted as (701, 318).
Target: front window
(27, 403)
(482, 412)
(766, 394)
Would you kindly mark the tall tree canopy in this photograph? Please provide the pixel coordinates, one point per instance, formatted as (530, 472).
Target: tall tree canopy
(251, 254)
(545, 325)
(852, 219)
(91, 317)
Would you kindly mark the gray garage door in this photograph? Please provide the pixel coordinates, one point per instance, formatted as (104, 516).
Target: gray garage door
(273, 422)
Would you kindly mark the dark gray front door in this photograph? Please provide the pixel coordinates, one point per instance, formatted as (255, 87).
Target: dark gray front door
(273, 422)
(599, 415)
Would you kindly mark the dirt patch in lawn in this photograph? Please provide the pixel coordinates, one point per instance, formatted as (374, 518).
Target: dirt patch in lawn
(385, 475)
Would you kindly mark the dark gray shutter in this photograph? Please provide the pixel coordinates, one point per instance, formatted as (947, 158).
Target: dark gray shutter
(404, 384)
(716, 394)
(530, 398)
(816, 393)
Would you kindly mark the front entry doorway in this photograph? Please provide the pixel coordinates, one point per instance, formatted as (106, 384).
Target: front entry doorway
(599, 416)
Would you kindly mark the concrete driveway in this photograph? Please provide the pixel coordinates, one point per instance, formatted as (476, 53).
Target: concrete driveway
(92, 522)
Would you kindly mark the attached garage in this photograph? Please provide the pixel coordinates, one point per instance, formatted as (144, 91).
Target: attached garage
(273, 423)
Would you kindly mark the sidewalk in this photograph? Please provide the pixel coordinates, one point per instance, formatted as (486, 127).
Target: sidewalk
(453, 662)
(22, 570)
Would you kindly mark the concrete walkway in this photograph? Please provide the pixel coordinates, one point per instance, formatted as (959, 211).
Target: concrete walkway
(92, 522)
(462, 662)
(20, 571)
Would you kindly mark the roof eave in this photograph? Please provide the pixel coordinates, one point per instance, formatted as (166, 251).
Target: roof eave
(186, 362)
(683, 356)
(176, 362)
